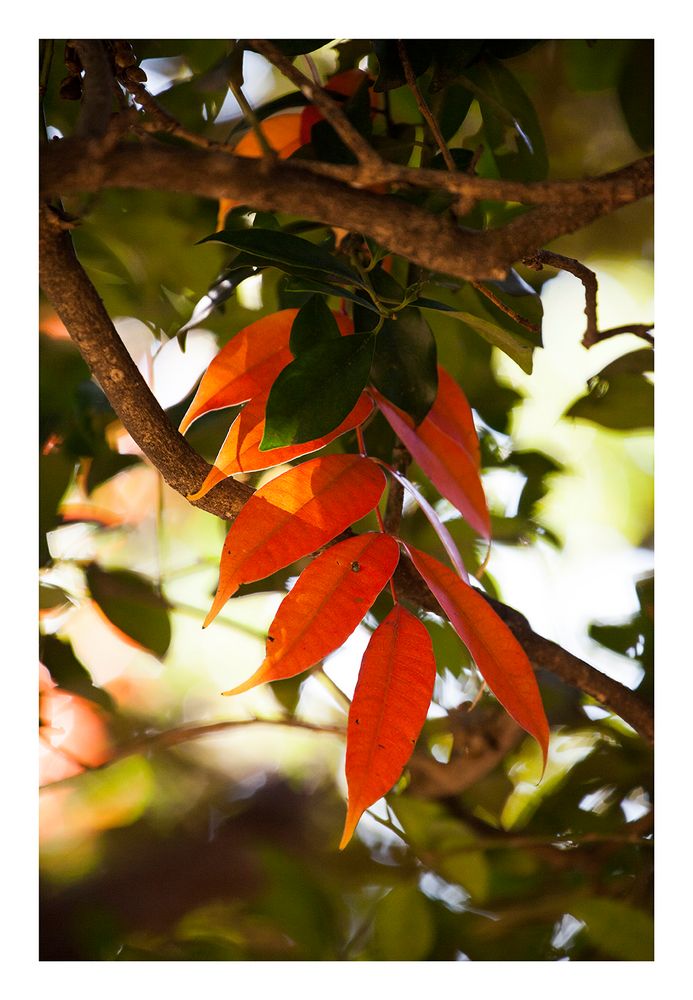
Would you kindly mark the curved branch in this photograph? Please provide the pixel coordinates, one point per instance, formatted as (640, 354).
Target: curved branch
(435, 242)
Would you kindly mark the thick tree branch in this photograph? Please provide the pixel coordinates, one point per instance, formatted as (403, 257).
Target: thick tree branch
(433, 241)
(98, 90)
(78, 304)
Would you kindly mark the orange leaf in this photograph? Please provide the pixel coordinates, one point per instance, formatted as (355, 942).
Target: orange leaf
(292, 516)
(248, 365)
(329, 599)
(282, 132)
(447, 462)
(244, 367)
(389, 708)
(500, 658)
(240, 451)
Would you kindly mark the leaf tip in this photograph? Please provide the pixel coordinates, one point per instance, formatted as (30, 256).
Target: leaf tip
(352, 818)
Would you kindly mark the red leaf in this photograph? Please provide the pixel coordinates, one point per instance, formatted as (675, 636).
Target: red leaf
(329, 599)
(389, 708)
(240, 451)
(292, 516)
(282, 132)
(452, 414)
(500, 658)
(447, 461)
(248, 365)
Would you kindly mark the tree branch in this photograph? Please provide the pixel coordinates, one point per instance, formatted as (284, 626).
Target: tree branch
(435, 242)
(98, 90)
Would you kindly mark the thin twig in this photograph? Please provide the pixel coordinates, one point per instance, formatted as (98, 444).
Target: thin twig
(194, 731)
(423, 107)
(267, 151)
(638, 329)
(586, 276)
(162, 121)
(492, 297)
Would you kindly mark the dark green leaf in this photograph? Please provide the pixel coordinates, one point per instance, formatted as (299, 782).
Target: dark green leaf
(304, 284)
(55, 474)
(133, 605)
(317, 391)
(450, 58)
(287, 252)
(313, 325)
(509, 121)
(327, 145)
(508, 48)
(68, 673)
(391, 73)
(633, 363)
(456, 104)
(404, 365)
(460, 157)
(387, 288)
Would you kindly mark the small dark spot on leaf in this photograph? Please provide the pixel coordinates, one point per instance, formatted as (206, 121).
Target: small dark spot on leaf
(381, 746)
(357, 721)
(270, 638)
(355, 567)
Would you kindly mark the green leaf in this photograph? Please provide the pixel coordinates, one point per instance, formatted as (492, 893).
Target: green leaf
(391, 73)
(451, 57)
(327, 145)
(317, 391)
(620, 397)
(287, 252)
(506, 109)
(511, 344)
(304, 284)
(133, 605)
(617, 929)
(405, 363)
(456, 104)
(636, 92)
(403, 928)
(313, 325)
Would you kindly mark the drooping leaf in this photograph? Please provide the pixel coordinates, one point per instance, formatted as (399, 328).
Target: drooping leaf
(313, 324)
(389, 707)
(446, 460)
(327, 602)
(317, 391)
(292, 516)
(287, 252)
(500, 658)
(452, 413)
(132, 603)
(404, 363)
(509, 118)
(240, 451)
(244, 367)
(514, 345)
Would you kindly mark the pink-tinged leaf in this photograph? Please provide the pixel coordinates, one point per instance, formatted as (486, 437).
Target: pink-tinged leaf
(292, 516)
(240, 451)
(447, 463)
(500, 658)
(389, 707)
(452, 414)
(327, 602)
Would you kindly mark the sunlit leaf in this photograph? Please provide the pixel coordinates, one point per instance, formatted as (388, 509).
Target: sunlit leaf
(512, 344)
(500, 658)
(240, 451)
(317, 391)
(446, 460)
(292, 516)
(389, 707)
(244, 367)
(325, 605)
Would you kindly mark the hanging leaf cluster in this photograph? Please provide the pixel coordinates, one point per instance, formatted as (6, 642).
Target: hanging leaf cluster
(306, 377)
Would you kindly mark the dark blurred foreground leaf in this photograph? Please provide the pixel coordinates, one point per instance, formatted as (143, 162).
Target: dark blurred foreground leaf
(133, 605)
(69, 673)
(620, 397)
(617, 929)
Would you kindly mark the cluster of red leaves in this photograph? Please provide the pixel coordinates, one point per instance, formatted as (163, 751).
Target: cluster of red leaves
(307, 507)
